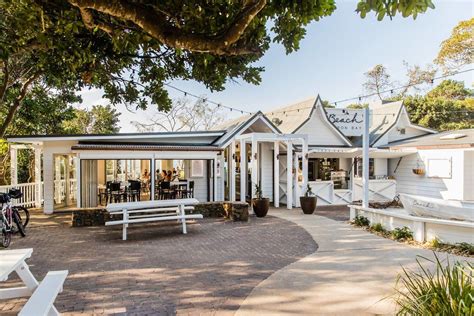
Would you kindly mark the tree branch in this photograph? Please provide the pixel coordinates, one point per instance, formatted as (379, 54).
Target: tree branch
(157, 26)
(3, 87)
(16, 104)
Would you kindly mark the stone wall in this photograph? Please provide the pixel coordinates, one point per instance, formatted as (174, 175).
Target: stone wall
(236, 211)
(89, 217)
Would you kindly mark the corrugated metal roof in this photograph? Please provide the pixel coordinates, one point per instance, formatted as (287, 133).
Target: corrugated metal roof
(144, 147)
(438, 140)
(291, 116)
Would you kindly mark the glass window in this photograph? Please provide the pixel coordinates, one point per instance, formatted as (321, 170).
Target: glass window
(358, 167)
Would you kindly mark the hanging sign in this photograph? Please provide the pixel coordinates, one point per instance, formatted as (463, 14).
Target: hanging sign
(349, 121)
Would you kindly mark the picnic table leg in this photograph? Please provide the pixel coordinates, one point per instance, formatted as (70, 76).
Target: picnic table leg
(183, 220)
(125, 226)
(31, 283)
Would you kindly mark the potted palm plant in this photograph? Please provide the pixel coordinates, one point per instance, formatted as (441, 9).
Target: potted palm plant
(260, 204)
(308, 201)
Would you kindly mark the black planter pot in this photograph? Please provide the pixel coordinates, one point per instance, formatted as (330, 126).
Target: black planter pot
(308, 204)
(260, 206)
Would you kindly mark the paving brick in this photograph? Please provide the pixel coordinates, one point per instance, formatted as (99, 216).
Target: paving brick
(160, 271)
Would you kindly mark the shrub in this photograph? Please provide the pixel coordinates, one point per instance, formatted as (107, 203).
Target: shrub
(435, 243)
(446, 291)
(362, 221)
(403, 233)
(377, 228)
(466, 248)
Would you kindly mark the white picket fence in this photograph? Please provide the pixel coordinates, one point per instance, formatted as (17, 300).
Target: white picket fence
(29, 198)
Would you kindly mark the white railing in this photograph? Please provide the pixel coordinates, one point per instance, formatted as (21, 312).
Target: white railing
(379, 190)
(29, 191)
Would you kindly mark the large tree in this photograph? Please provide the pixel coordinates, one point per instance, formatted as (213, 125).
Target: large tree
(131, 48)
(101, 119)
(183, 116)
(448, 106)
(458, 49)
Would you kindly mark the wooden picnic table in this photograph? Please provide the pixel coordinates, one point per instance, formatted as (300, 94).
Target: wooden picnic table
(41, 295)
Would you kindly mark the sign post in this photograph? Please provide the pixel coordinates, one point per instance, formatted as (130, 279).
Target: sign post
(365, 159)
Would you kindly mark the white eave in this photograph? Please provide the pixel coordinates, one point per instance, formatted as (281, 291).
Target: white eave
(133, 137)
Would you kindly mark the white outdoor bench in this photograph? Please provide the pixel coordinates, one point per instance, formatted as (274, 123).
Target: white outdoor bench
(41, 295)
(152, 211)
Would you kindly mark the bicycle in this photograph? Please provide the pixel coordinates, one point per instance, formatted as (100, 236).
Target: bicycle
(10, 215)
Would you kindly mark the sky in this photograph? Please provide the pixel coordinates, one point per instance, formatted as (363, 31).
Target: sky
(331, 61)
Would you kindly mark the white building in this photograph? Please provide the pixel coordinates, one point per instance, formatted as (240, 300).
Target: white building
(282, 150)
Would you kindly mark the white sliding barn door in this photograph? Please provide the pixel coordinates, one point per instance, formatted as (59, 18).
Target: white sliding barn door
(282, 183)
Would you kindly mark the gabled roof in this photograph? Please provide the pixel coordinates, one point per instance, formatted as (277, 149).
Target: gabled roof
(463, 138)
(292, 116)
(236, 126)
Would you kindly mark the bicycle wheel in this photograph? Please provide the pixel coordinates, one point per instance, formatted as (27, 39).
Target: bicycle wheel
(6, 238)
(19, 224)
(24, 214)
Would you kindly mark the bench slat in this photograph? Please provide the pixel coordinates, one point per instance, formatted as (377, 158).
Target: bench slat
(154, 219)
(114, 207)
(150, 210)
(41, 302)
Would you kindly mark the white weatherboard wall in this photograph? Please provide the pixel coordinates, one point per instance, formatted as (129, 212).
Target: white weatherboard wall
(200, 183)
(469, 175)
(442, 188)
(320, 132)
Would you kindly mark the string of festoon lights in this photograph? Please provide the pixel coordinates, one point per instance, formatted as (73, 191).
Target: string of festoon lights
(358, 98)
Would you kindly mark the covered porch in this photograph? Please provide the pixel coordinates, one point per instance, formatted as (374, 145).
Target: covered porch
(335, 174)
(269, 160)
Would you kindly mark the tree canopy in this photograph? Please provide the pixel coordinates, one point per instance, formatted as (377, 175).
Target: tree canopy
(458, 49)
(183, 116)
(101, 119)
(129, 49)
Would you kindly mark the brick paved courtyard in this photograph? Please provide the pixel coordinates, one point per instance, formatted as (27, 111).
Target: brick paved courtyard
(158, 270)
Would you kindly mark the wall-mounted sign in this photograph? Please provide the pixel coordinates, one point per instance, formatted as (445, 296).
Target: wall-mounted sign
(349, 121)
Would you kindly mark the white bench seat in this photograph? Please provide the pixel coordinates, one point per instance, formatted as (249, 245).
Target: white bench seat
(154, 219)
(41, 302)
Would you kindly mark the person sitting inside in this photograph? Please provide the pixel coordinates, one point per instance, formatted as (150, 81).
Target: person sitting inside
(169, 176)
(159, 176)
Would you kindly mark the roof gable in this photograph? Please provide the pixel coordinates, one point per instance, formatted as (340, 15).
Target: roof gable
(320, 130)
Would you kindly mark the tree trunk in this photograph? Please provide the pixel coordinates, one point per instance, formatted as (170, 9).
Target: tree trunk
(16, 105)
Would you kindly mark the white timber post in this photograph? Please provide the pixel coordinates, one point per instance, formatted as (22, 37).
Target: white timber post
(78, 179)
(38, 186)
(305, 163)
(221, 179)
(243, 171)
(289, 173)
(214, 180)
(276, 174)
(152, 178)
(365, 160)
(14, 165)
(254, 160)
(232, 171)
(296, 184)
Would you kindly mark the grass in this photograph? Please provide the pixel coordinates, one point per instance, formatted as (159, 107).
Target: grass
(446, 291)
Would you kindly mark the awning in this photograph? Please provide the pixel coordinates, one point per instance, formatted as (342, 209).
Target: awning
(144, 147)
(327, 152)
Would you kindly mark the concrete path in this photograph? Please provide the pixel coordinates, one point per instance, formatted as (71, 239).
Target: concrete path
(350, 274)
